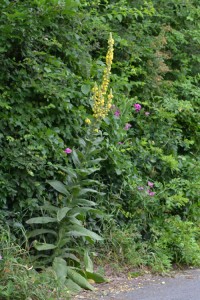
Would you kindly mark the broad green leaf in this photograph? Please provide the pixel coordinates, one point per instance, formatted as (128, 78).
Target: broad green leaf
(88, 171)
(84, 191)
(97, 141)
(67, 169)
(60, 267)
(41, 220)
(84, 202)
(85, 88)
(75, 158)
(72, 256)
(82, 142)
(74, 220)
(59, 186)
(90, 181)
(96, 161)
(76, 230)
(48, 207)
(43, 246)
(79, 279)
(96, 277)
(72, 286)
(85, 210)
(40, 231)
(119, 17)
(62, 213)
(88, 262)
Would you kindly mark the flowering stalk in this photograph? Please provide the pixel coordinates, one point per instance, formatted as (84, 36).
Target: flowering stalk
(103, 103)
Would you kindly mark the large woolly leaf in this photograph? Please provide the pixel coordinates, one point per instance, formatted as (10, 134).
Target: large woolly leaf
(76, 230)
(74, 220)
(59, 187)
(72, 173)
(43, 246)
(40, 231)
(85, 191)
(72, 286)
(96, 277)
(75, 158)
(84, 202)
(84, 210)
(88, 262)
(59, 266)
(79, 279)
(41, 220)
(88, 171)
(62, 213)
(71, 256)
(48, 207)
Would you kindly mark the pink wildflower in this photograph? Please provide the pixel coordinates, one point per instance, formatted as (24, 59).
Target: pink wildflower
(137, 107)
(150, 184)
(147, 113)
(151, 193)
(120, 143)
(68, 150)
(117, 113)
(127, 126)
(140, 188)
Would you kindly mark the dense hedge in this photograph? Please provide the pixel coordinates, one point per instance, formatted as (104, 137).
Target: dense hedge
(51, 54)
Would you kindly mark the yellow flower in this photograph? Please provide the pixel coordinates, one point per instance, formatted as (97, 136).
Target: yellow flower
(88, 121)
(102, 102)
(96, 130)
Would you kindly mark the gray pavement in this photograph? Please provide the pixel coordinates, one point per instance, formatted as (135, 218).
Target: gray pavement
(181, 285)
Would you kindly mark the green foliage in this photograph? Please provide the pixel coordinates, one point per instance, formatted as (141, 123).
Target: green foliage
(18, 278)
(51, 54)
(64, 223)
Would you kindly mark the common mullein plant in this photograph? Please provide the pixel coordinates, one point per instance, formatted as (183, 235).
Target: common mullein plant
(61, 229)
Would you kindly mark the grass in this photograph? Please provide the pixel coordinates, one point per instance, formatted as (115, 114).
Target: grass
(18, 278)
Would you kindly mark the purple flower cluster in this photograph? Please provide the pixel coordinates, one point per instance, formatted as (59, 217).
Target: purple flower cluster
(68, 151)
(149, 191)
(140, 188)
(117, 113)
(127, 126)
(137, 106)
(151, 185)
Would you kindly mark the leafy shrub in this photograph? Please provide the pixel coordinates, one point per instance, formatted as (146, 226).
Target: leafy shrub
(52, 54)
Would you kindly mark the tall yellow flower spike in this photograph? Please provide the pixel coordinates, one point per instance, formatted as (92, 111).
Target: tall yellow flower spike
(103, 102)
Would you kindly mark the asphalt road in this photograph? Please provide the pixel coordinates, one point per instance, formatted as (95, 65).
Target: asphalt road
(181, 285)
(185, 286)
